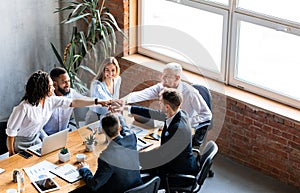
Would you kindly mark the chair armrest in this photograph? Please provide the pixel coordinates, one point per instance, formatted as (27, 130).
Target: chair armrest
(180, 176)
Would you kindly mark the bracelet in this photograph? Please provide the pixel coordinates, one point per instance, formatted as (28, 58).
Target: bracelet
(96, 101)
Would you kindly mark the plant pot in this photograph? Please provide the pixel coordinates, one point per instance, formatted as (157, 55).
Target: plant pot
(89, 147)
(64, 157)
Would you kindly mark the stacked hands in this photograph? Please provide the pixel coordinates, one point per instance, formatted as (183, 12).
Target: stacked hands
(117, 105)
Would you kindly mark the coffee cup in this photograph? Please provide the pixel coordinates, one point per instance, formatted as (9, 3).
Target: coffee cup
(81, 157)
(11, 190)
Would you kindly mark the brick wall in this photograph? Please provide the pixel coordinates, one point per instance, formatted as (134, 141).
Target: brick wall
(252, 136)
(262, 140)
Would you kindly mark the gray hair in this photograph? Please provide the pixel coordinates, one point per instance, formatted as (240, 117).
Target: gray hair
(177, 69)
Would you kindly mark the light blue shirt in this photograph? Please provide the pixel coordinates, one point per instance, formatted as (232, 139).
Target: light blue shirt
(100, 90)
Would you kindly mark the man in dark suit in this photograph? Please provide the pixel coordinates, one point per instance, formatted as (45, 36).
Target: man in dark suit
(175, 153)
(118, 165)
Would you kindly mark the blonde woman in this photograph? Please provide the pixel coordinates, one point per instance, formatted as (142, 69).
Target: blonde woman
(105, 86)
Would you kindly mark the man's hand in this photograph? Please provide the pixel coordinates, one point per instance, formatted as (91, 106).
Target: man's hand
(105, 103)
(82, 165)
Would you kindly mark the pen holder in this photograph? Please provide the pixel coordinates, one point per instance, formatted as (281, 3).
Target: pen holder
(16, 172)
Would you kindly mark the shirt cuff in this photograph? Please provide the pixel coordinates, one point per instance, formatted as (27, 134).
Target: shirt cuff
(11, 133)
(129, 109)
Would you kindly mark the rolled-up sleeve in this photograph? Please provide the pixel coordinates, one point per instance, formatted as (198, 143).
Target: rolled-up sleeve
(15, 121)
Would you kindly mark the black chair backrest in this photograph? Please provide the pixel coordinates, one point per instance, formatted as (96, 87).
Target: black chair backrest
(3, 137)
(149, 187)
(205, 93)
(209, 152)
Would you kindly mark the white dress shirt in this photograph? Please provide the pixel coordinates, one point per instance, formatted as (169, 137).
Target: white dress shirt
(60, 117)
(27, 120)
(193, 103)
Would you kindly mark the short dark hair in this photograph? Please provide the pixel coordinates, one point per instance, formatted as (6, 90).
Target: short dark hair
(172, 97)
(37, 87)
(110, 125)
(56, 72)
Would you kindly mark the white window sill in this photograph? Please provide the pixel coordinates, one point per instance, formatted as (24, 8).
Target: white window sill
(252, 99)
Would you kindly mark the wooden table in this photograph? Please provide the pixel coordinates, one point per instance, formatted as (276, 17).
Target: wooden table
(75, 146)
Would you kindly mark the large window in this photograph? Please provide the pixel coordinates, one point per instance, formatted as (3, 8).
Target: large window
(253, 45)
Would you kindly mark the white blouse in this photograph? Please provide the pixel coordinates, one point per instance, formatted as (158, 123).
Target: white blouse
(27, 120)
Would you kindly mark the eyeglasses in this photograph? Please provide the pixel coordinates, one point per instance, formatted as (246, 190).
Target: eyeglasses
(168, 76)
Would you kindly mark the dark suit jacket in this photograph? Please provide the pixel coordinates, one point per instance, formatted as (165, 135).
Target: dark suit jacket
(118, 167)
(175, 154)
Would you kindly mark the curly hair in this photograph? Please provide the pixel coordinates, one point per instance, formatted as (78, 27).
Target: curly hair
(37, 87)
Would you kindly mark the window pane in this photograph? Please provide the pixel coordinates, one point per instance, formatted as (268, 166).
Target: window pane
(287, 9)
(225, 2)
(200, 27)
(269, 59)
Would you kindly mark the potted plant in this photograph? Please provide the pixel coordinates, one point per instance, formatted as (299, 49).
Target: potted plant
(96, 40)
(90, 143)
(64, 155)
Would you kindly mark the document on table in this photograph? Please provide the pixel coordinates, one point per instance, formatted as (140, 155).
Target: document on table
(138, 131)
(40, 171)
(67, 172)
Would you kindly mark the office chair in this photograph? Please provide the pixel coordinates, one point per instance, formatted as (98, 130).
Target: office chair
(149, 187)
(201, 129)
(3, 137)
(194, 183)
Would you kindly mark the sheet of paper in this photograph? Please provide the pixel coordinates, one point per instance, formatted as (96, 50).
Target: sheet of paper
(68, 172)
(2, 170)
(40, 171)
(139, 131)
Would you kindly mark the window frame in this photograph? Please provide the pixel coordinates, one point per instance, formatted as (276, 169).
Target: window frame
(231, 16)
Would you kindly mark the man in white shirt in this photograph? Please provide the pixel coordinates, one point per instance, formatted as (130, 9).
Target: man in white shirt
(60, 117)
(193, 102)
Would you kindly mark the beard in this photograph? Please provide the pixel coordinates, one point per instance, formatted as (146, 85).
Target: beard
(63, 91)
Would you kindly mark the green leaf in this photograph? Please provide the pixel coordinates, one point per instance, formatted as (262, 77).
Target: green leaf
(57, 55)
(77, 18)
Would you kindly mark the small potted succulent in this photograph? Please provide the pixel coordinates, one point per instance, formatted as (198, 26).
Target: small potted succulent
(64, 155)
(90, 143)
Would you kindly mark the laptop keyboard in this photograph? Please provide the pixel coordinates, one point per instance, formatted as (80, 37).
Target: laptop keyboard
(39, 150)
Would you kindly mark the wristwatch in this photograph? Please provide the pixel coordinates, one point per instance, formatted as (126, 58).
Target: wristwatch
(96, 101)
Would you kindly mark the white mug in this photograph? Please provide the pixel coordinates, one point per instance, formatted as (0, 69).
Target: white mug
(11, 190)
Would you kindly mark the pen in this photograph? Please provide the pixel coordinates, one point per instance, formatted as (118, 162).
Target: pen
(142, 141)
(151, 138)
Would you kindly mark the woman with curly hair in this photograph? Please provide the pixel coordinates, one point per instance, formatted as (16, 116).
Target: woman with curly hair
(24, 127)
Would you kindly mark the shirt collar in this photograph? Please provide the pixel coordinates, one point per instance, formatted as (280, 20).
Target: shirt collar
(169, 120)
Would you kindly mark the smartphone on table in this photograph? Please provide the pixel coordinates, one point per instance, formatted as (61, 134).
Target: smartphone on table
(154, 136)
(25, 154)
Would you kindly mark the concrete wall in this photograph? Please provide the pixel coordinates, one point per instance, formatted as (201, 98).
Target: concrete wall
(27, 28)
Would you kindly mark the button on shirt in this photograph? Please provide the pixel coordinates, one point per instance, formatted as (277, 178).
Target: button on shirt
(193, 102)
(60, 117)
(27, 120)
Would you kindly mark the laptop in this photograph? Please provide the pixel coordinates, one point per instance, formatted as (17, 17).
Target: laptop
(50, 143)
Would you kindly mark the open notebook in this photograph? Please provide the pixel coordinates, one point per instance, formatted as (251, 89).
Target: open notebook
(140, 133)
(142, 144)
(50, 143)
